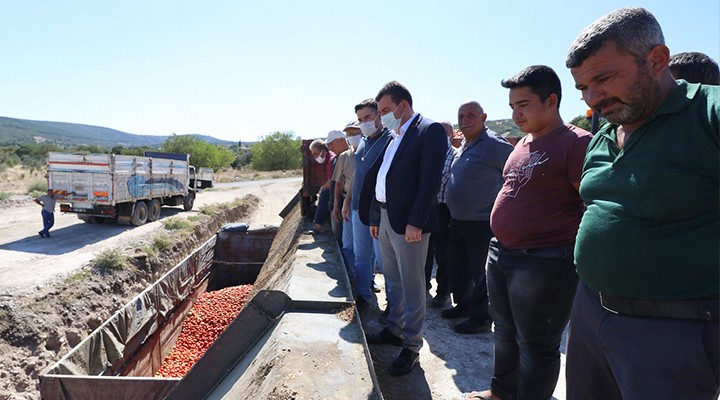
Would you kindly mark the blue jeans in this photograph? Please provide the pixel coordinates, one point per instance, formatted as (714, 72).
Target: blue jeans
(48, 221)
(347, 248)
(323, 207)
(613, 356)
(364, 256)
(531, 293)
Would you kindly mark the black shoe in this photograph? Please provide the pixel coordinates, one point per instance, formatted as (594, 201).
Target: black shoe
(404, 363)
(42, 235)
(455, 312)
(439, 301)
(375, 287)
(471, 326)
(384, 337)
(384, 316)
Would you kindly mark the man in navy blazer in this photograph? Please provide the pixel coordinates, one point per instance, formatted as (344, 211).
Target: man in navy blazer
(403, 215)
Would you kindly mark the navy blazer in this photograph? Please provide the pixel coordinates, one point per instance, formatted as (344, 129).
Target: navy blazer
(413, 180)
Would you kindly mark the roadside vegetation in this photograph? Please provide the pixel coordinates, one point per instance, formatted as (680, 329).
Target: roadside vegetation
(23, 166)
(110, 260)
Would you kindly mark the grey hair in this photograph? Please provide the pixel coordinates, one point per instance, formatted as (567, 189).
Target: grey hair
(319, 145)
(634, 30)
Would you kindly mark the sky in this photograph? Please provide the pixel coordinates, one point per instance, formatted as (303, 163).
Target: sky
(240, 70)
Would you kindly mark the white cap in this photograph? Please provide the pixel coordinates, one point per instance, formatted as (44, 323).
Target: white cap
(332, 135)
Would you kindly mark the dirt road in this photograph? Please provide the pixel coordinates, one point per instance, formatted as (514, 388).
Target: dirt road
(28, 261)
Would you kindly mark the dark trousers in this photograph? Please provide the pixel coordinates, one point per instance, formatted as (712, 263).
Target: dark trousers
(437, 252)
(323, 207)
(613, 356)
(466, 256)
(531, 294)
(48, 221)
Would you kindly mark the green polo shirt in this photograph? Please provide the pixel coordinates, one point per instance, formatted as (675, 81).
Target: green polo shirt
(652, 225)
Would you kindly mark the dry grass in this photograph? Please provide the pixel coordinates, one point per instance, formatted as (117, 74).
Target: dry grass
(245, 174)
(17, 179)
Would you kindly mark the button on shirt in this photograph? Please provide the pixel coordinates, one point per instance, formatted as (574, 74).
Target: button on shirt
(388, 158)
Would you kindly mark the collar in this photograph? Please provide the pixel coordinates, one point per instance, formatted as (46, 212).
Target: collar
(482, 135)
(404, 128)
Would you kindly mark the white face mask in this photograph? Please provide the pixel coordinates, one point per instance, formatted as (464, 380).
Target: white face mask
(320, 159)
(368, 128)
(354, 140)
(390, 121)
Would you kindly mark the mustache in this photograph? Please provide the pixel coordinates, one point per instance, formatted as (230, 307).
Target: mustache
(606, 103)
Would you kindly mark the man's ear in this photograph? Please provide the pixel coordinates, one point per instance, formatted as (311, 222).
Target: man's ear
(552, 100)
(658, 58)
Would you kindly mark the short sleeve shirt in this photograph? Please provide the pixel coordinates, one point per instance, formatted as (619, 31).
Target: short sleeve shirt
(345, 168)
(48, 203)
(538, 205)
(652, 225)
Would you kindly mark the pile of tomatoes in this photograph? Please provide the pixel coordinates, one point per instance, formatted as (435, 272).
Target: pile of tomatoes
(210, 315)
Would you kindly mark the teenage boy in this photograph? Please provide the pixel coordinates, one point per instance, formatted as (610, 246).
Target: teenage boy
(530, 271)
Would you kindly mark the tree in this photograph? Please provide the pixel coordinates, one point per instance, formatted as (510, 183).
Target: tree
(581, 122)
(279, 150)
(243, 156)
(202, 153)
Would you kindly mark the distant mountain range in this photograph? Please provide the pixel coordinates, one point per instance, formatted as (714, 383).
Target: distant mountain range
(20, 131)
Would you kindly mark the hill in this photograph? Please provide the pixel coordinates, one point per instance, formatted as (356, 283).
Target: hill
(20, 131)
(505, 127)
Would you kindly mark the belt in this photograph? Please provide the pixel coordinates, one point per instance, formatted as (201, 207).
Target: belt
(700, 309)
(544, 252)
(383, 205)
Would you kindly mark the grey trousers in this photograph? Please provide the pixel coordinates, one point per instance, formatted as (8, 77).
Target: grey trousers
(404, 270)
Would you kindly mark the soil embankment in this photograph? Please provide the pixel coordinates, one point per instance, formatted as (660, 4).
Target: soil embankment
(50, 295)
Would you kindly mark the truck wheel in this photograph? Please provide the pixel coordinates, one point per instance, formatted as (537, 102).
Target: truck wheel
(140, 214)
(154, 210)
(188, 201)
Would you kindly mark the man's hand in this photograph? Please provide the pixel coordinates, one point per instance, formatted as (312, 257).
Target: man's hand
(374, 231)
(346, 212)
(336, 212)
(412, 234)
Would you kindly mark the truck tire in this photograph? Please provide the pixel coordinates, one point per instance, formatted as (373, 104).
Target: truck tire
(154, 207)
(140, 214)
(188, 201)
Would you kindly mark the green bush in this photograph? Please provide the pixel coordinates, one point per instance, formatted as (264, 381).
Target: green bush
(202, 153)
(4, 196)
(111, 260)
(175, 224)
(279, 150)
(37, 188)
(162, 242)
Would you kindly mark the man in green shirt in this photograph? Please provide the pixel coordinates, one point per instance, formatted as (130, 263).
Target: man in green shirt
(645, 318)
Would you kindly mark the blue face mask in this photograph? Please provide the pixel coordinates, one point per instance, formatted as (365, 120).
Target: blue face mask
(390, 121)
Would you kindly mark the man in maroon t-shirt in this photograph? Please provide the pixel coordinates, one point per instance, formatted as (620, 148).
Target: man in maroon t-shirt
(530, 272)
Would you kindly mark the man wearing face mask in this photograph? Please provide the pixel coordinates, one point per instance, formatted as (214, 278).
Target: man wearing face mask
(343, 169)
(322, 155)
(404, 213)
(356, 209)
